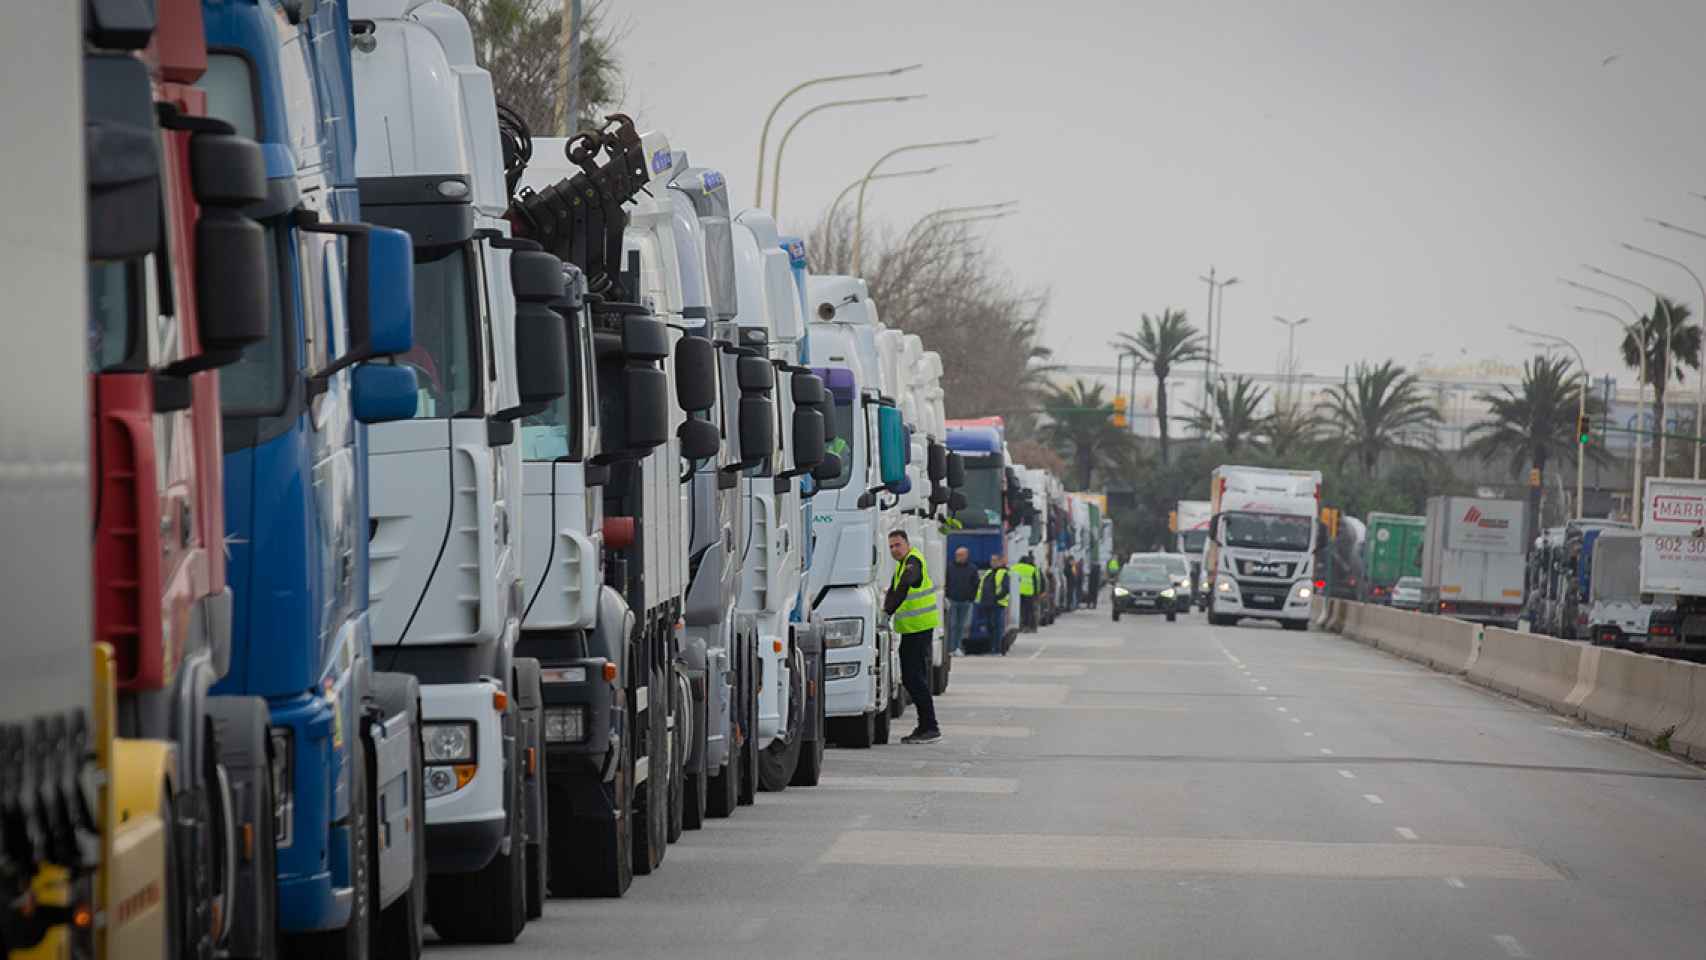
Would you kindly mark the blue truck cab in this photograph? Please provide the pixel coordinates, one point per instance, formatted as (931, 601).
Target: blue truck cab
(982, 528)
(345, 756)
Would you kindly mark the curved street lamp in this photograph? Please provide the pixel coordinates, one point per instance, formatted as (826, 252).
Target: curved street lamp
(1664, 372)
(764, 135)
(781, 148)
(859, 217)
(937, 214)
(1634, 333)
(920, 172)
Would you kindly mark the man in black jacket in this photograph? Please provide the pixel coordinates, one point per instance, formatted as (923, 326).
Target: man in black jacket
(961, 590)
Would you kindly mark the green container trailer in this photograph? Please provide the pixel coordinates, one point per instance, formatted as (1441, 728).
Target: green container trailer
(1394, 548)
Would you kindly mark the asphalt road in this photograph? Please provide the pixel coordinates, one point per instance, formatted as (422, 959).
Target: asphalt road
(1146, 789)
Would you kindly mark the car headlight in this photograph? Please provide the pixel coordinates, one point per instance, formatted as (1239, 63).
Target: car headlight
(840, 671)
(1168, 594)
(565, 724)
(1121, 592)
(843, 633)
(281, 771)
(448, 742)
(1224, 586)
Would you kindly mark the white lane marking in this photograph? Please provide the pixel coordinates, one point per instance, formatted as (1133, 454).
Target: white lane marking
(1281, 710)
(982, 730)
(1347, 775)
(1263, 689)
(1309, 733)
(1454, 882)
(1326, 751)
(1373, 798)
(1269, 698)
(990, 785)
(1037, 652)
(1296, 719)
(1511, 945)
(1405, 832)
(1200, 855)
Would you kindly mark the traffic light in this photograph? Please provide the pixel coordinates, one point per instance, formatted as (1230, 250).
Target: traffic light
(1584, 429)
(1330, 520)
(1119, 410)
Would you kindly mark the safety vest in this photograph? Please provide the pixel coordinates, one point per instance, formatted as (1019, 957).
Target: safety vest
(1027, 574)
(1113, 566)
(918, 612)
(1000, 578)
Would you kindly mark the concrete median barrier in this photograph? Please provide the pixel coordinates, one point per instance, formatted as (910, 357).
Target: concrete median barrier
(1690, 738)
(1528, 666)
(1647, 698)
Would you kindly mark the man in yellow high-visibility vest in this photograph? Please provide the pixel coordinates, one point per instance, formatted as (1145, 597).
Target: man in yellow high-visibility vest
(1025, 571)
(914, 613)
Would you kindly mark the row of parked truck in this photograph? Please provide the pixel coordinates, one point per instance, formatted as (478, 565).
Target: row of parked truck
(458, 515)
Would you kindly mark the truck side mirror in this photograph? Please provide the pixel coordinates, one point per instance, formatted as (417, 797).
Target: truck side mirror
(381, 291)
(957, 501)
(828, 469)
(228, 172)
(956, 471)
(541, 337)
(382, 392)
(121, 157)
(700, 439)
(808, 390)
(647, 397)
(808, 438)
(695, 374)
(937, 467)
(891, 445)
(757, 380)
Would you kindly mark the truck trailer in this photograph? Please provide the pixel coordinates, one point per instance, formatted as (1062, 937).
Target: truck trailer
(1473, 559)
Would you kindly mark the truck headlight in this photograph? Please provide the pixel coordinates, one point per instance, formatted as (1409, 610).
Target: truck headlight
(281, 770)
(840, 671)
(446, 780)
(1224, 586)
(1303, 592)
(562, 675)
(565, 724)
(448, 742)
(843, 633)
(1168, 594)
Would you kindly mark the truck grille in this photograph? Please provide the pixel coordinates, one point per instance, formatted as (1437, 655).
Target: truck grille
(1278, 569)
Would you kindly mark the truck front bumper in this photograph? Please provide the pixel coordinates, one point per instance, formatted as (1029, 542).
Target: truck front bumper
(1255, 599)
(466, 822)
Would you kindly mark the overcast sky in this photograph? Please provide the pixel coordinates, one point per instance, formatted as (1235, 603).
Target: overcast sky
(1411, 176)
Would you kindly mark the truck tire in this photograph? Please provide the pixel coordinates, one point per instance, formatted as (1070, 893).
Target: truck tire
(530, 704)
(355, 940)
(398, 931)
(809, 769)
(678, 730)
(245, 751)
(857, 732)
(490, 904)
(651, 834)
(593, 856)
(777, 762)
(1296, 624)
(749, 729)
(880, 730)
(697, 788)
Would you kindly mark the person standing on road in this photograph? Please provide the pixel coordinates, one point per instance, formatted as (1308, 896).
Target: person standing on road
(1025, 571)
(911, 605)
(993, 594)
(961, 589)
(1095, 584)
(1073, 575)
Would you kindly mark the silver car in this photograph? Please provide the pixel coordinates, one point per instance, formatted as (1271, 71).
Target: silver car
(1407, 593)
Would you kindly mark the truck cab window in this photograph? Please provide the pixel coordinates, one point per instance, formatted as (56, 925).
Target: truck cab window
(444, 356)
(841, 444)
(114, 295)
(984, 482)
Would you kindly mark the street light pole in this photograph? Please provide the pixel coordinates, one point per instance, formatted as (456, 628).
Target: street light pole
(1581, 402)
(781, 148)
(935, 215)
(1634, 333)
(1664, 364)
(1216, 296)
(921, 172)
(1700, 377)
(859, 216)
(1291, 353)
(764, 134)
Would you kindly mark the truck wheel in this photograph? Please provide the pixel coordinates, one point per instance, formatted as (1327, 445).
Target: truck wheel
(809, 769)
(592, 856)
(240, 731)
(652, 806)
(880, 731)
(1296, 624)
(678, 730)
(356, 938)
(749, 729)
(697, 790)
(398, 932)
(490, 904)
(857, 732)
(777, 763)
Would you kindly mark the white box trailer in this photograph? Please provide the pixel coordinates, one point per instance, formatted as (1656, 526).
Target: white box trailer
(1474, 559)
(1673, 551)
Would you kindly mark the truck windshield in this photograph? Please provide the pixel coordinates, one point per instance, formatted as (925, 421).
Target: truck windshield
(113, 306)
(1191, 541)
(443, 355)
(983, 495)
(841, 444)
(1268, 531)
(1144, 574)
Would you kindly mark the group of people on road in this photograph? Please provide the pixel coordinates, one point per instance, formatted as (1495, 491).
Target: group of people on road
(978, 599)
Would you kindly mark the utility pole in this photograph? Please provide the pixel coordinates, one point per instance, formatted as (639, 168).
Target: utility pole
(569, 70)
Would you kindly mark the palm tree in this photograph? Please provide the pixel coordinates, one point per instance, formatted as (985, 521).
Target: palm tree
(1533, 425)
(1081, 427)
(1291, 428)
(1163, 342)
(1684, 342)
(1235, 413)
(1380, 409)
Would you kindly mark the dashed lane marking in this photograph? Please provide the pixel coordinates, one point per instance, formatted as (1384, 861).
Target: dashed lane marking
(1347, 775)
(987, 785)
(1296, 719)
(1309, 733)
(1511, 945)
(1454, 882)
(1326, 751)
(1373, 798)
(1281, 710)
(1180, 855)
(1037, 652)
(1405, 832)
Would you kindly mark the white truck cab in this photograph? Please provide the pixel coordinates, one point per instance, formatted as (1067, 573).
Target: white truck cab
(1261, 546)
